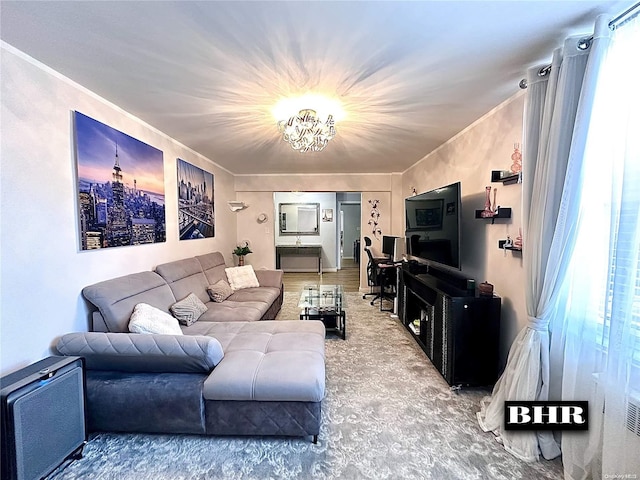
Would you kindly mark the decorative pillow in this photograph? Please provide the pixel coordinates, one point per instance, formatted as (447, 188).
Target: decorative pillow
(219, 291)
(242, 277)
(188, 310)
(148, 319)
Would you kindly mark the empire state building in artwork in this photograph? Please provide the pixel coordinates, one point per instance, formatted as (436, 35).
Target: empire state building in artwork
(118, 232)
(114, 211)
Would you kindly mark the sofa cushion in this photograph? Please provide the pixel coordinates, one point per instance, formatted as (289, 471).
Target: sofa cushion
(148, 319)
(230, 311)
(269, 278)
(116, 298)
(242, 277)
(261, 294)
(188, 310)
(185, 277)
(213, 266)
(269, 361)
(130, 352)
(219, 291)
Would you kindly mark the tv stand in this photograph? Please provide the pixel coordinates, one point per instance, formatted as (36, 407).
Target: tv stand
(457, 329)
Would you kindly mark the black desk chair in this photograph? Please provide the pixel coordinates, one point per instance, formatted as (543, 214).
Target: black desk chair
(375, 276)
(388, 275)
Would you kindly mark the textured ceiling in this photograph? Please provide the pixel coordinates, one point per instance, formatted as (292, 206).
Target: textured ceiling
(410, 75)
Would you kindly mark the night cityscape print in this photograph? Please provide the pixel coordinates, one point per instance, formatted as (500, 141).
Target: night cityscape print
(195, 202)
(120, 187)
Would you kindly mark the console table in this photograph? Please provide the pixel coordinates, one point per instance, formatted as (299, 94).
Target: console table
(458, 329)
(299, 251)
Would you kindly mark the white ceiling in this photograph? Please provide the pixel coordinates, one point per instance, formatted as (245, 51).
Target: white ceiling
(410, 75)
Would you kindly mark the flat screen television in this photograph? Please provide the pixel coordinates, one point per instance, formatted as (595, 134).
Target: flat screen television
(433, 226)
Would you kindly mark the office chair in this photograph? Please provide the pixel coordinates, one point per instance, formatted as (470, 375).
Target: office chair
(372, 271)
(380, 273)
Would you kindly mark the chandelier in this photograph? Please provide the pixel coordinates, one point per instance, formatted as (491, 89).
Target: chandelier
(305, 132)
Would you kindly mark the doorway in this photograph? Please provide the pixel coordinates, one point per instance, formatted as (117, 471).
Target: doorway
(349, 230)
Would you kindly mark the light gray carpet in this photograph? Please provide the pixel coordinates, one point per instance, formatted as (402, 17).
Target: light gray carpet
(388, 414)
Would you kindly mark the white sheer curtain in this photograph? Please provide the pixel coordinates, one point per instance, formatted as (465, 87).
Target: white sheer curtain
(557, 114)
(598, 327)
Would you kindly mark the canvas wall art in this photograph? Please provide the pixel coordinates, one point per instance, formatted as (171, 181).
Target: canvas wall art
(120, 187)
(195, 202)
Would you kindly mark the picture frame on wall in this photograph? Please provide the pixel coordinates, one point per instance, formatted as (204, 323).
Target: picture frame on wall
(327, 214)
(120, 187)
(196, 213)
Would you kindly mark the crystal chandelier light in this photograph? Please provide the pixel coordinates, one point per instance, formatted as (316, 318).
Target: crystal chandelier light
(305, 132)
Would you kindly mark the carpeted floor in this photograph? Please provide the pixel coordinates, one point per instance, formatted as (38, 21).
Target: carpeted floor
(388, 414)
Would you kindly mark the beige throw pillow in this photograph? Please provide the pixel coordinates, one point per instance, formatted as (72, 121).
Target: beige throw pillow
(219, 291)
(188, 310)
(242, 277)
(148, 319)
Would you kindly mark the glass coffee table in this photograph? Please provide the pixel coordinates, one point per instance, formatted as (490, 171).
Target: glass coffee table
(325, 303)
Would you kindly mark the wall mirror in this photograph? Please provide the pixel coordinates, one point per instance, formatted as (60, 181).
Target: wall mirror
(299, 218)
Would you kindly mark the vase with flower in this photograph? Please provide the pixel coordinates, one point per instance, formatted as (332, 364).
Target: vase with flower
(488, 212)
(242, 250)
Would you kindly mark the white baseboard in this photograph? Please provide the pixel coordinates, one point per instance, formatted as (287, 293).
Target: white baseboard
(306, 270)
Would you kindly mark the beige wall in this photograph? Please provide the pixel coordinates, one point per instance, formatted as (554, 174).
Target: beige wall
(257, 192)
(356, 182)
(43, 270)
(384, 224)
(469, 158)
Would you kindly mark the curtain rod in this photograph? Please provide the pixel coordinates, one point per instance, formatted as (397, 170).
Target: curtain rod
(584, 43)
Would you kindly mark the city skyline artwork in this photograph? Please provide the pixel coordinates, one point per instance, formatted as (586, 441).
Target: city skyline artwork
(120, 187)
(196, 218)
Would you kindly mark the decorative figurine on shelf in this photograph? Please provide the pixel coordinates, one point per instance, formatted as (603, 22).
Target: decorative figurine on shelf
(487, 212)
(516, 156)
(508, 242)
(518, 241)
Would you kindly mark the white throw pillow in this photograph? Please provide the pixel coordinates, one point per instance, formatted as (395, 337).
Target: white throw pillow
(242, 277)
(148, 319)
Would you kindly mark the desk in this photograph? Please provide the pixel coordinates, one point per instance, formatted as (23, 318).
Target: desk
(299, 251)
(388, 274)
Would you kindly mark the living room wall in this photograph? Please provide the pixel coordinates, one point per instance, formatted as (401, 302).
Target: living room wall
(257, 191)
(469, 157)
(43, 269)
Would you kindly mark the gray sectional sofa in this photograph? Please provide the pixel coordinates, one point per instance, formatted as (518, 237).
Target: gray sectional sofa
(227, 374)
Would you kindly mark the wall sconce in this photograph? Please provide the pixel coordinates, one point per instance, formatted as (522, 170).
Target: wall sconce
(236, 205)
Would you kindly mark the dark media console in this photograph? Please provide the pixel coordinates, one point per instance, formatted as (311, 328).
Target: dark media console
(457, 329)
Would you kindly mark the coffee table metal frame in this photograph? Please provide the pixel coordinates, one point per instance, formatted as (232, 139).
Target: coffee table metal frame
(325, 303)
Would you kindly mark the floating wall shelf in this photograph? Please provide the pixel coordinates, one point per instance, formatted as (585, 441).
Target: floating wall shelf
(502, 213)
(501, 246)
(504, 176)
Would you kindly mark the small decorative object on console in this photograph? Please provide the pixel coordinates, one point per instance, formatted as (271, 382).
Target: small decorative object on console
(485, 289)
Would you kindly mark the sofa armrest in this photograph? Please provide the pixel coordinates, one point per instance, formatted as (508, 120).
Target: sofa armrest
(134, 352)
(269, 278)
